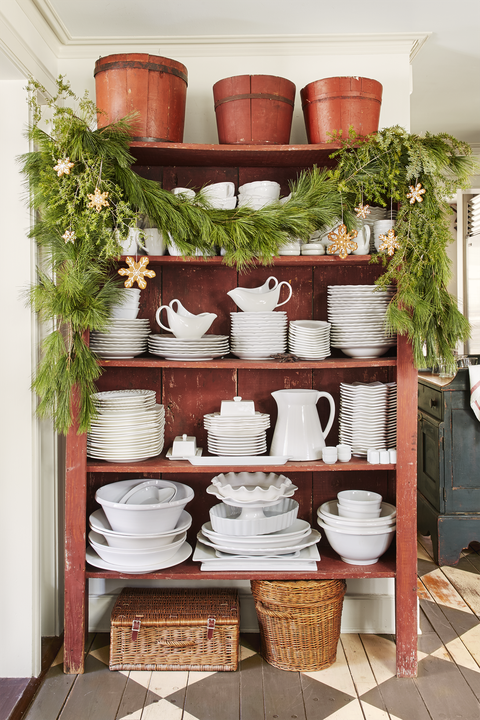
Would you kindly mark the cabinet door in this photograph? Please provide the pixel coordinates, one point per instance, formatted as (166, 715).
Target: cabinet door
(462, 456)
(431, 461)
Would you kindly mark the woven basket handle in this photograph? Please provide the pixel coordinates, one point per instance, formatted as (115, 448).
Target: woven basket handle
(176, 643)
(277, 613)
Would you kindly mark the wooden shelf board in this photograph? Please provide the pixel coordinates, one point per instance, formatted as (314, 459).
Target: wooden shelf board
(160, 464)
(199, 155)
(281, 260)
(329, 567)
(232, 363)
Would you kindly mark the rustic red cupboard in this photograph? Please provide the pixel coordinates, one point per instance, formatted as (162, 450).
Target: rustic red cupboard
(190, 389)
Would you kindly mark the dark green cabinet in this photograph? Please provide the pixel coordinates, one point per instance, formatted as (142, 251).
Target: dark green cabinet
(448, 465)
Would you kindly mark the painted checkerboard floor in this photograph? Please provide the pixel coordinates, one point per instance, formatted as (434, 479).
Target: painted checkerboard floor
(361, 685)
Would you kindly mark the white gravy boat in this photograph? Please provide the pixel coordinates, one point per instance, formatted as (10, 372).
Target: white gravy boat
(183, 324)
(261, 299)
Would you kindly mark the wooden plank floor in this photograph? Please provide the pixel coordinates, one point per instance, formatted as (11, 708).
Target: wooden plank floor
(361, 685)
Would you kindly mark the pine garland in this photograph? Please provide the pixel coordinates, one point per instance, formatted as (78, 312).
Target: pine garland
(382, 168)
(81, 239)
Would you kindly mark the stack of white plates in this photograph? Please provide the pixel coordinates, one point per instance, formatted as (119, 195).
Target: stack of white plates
(391, 429)
(309, 339)
(286, 542)
(473, 216)
(204, 348)
(236, 435)
(124, 339)
(129, 425)
(357, 316)
(258, 335)
(363, 416)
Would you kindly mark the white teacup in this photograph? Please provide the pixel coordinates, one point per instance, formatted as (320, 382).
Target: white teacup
(187, 192)
(184, 324)
(219, 191)
(268, 189)
(381, 227)
(130, 243)
(154, 241)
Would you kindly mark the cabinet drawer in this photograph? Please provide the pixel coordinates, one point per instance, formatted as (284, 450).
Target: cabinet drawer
(430, 401)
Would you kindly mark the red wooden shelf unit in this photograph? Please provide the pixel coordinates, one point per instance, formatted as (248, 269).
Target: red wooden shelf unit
(188, 390)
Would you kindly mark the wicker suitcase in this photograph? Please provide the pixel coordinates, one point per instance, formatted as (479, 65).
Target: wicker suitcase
(175, 629)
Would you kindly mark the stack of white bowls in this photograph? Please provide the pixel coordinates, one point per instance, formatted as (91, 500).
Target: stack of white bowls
(128, 306)
(258, 194)
(129, 425)
(123, 340)
(358, 525)
(220, 196)
(309, 339)
(250, 531)
(258, 335)
(357, 315)
(142, 526)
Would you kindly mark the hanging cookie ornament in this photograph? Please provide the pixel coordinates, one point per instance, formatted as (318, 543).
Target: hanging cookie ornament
(63, 167)
(69, 236)
(362, 211)
(415, 194)
(342, 241)
(98, 199)
(389, 242)
(136, 272)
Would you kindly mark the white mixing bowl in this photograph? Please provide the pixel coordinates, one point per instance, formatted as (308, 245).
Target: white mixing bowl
(142, 519)
(134, 557)
(357, 548)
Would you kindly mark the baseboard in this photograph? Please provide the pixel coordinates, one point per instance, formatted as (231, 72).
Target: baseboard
(362, 613)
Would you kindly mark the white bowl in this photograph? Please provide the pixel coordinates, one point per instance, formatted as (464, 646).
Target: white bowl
(149, 493)
(226, 519)
(355, 548)
(134, 557)
(252, 487)
(261, 188)
(329, 512)
(142, 519)
(122, 312)
(360, 499)
(99, 523)
(347, 512)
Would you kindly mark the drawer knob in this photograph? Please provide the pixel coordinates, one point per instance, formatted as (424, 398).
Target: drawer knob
(433, 403)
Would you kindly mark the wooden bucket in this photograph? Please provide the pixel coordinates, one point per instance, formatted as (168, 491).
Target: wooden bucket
(338, 103)
(154, 86)
(254, 109)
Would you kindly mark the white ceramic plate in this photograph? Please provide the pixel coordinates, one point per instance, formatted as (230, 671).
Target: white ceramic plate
(311, 539)
(182, 554)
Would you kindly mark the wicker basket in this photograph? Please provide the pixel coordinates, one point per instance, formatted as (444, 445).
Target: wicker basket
(299, 622)
(175, 629)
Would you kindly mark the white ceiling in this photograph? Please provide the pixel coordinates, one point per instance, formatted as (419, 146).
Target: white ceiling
(446, 72)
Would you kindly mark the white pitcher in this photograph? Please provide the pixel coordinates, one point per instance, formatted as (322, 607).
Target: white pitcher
(298, 434)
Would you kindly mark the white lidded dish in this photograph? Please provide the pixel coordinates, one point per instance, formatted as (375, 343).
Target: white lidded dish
(142, 519)
(98, 522)
(226, 519)
(130, 557)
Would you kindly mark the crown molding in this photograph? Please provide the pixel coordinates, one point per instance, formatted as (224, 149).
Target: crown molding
(70, 47)
(243, 45)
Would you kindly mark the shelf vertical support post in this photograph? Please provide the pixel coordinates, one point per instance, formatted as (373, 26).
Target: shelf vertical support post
(75, 609)
(406, 607)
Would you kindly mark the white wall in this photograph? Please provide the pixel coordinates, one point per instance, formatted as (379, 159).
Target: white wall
(19, 480)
